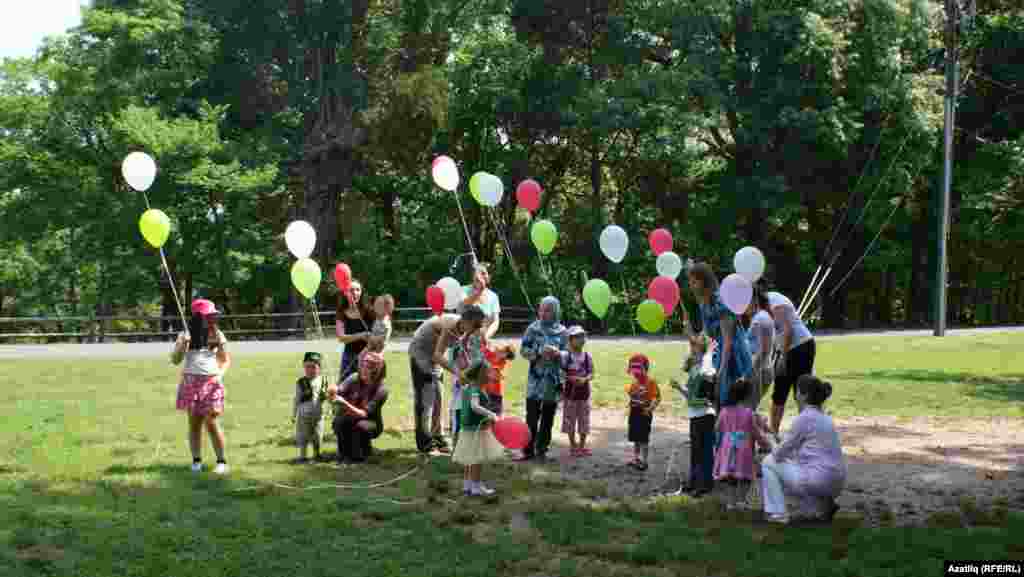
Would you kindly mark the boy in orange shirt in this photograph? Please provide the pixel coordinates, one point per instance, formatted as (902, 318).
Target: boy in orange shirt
(498, 358)
(644, 398)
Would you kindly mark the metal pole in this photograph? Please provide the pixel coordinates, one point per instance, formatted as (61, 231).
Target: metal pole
(941, 273)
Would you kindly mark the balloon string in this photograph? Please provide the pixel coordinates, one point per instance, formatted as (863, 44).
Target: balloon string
(465, 227)
(625, 295)
(174, 290)
(500, 227)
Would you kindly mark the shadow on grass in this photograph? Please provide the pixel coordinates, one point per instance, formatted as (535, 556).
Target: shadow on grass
(1009, 387)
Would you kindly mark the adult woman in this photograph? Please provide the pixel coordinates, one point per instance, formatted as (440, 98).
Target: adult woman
(761, 341)
(360, 399)
(798, 352)
(731, 355)
(542, 345)
(426, 360)
(481, 295)
(809, 463)
(352, 325)
(201, 390)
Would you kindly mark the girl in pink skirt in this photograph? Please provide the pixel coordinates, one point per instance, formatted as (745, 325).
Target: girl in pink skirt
(201, 390)
(737, 430)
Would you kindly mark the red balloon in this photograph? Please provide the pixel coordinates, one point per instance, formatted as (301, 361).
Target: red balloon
(512, 433)
(528, 194)
(664, 290)
(661, 241)
(343, 276)
(435, 299)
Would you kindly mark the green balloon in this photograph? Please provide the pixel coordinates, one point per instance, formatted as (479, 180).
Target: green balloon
(155, 227)
(474, 184)
(544, 235)
(306, 277)
(651, 315)
(597, 295)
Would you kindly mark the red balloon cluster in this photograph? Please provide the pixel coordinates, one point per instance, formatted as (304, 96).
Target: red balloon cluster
(528, 195)
(665, 291)
(661, 241)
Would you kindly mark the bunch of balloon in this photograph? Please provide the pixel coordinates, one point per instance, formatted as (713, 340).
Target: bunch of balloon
(737, 289)
(139, 171)
(663, 289)
(614, 243)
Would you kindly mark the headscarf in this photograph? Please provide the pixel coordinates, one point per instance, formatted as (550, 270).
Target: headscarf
(554, 326)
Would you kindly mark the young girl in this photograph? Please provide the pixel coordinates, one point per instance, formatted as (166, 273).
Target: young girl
(465, 352)
(201, 390)
(737, 431)
(579, 372)
(644, 398)
(380, 332)
(699, 392)
(476, 444)
(307, 410)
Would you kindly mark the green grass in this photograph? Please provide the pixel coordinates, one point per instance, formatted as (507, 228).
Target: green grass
(94, 481)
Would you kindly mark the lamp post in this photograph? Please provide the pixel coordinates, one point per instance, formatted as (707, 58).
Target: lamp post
(942, 258)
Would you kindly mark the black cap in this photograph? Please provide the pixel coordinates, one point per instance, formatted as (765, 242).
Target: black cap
(312, 358)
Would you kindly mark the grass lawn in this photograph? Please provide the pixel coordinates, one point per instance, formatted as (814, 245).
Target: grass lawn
(94, 481)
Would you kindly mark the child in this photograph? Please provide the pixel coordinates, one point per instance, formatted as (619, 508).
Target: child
(464, 353)
(380, 332)
(579, 372)
(201, 390)
(476, 444)
(737, 432)
(498, 358)
(644, 398)
(307, 412)
(700, 393)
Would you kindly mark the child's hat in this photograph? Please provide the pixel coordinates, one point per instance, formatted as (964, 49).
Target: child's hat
(576, 330)
(639, 361)
(204, 307)
(312, 357)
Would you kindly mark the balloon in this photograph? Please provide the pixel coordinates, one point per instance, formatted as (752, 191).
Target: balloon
(614, 242)
(651, 315)
(475, 182)
(528, 194)
(749, 263)
(445, 173)
(491, 190)
(512, 432)
(343, 276)
(661, 241)
(665, 291)
(300, 238)
(306, 277)
(435, 299)
(139, 171)
(597, 295)
(736, 293)
(544, 235)
(669, 264)
(155, 227)
(452, 292)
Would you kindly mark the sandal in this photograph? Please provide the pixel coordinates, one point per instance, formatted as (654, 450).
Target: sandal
(641, 466)
(585, 452)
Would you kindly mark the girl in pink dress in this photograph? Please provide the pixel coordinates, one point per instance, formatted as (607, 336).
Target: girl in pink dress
(737, 431)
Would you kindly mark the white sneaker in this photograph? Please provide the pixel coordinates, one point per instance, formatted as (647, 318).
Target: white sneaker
(781, 519)
(221, 469)
(482, 490)
(197, 467)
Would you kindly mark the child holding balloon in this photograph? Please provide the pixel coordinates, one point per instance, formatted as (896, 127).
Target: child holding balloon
(477, 444)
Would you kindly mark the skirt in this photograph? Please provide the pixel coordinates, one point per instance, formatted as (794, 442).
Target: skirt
(477, 447)
(200, 395)
(640, 427)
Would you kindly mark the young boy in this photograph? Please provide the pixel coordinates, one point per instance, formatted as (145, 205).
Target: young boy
(579, 372)
(308, 408)
(644, 398)
(699, 392)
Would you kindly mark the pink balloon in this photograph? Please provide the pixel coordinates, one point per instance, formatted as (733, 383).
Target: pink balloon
(435, 299)
(528, 194)
(665, 290)
(736, 293)
(661, 241)
(512, 433)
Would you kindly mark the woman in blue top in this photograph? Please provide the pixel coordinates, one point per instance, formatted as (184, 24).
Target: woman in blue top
(542, 345)
(732, 353)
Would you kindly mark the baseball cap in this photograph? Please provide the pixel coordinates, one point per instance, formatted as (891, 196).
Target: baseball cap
(204, 307)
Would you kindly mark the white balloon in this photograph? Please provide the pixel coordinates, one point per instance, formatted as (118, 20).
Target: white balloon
(749, 263)
(614, 243)
(669, 264)
(491, 190)
(300, 238)
(452, 292)
(446, 174)
(139, 171)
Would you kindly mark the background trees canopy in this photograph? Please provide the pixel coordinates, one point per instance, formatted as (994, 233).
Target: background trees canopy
(728, 122)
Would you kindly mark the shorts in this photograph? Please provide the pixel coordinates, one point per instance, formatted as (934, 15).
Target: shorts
(576, 417)
(640, 425)
(799, 362)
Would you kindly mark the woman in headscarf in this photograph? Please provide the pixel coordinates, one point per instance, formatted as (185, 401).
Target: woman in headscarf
(731, 355)
(542, 345)
(360, 398)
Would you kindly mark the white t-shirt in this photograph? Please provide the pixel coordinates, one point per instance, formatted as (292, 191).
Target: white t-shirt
(204, 361)
(785, 316)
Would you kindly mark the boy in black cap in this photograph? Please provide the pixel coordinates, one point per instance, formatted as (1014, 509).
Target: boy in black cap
(310, 391)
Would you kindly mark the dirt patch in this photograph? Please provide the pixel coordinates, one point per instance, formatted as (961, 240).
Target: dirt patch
(900, 471)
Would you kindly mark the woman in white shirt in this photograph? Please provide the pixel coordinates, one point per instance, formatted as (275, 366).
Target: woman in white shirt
(796, 343)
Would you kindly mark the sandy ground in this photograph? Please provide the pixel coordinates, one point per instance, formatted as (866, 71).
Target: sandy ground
(908, 469)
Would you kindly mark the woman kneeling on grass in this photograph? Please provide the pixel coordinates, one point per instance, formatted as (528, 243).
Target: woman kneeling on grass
(809, 463)
(360, 397)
